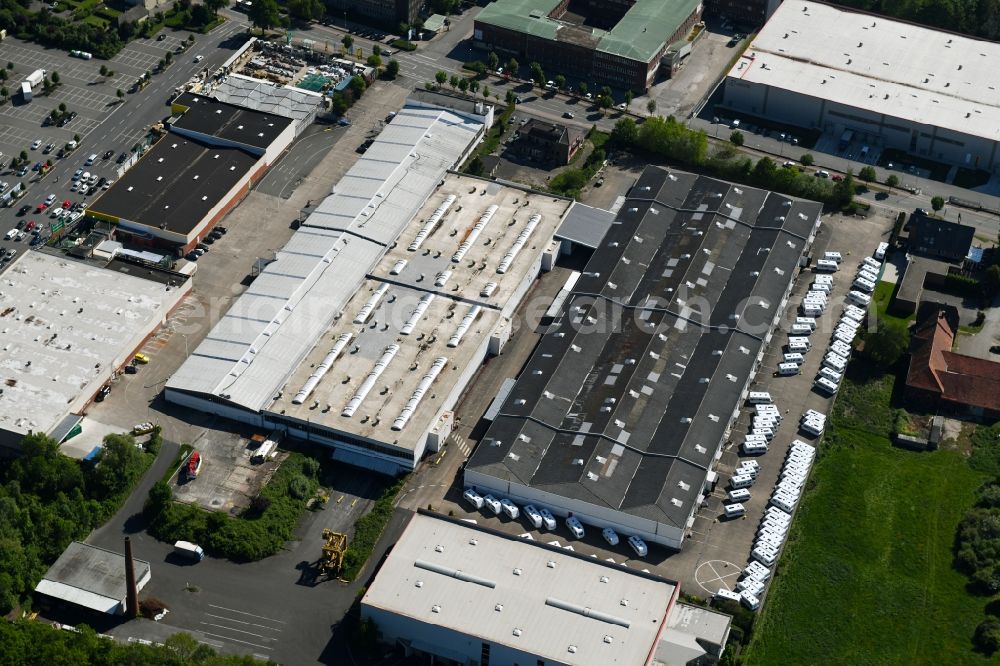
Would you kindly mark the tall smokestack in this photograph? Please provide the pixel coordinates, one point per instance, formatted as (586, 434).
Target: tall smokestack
(131, 592)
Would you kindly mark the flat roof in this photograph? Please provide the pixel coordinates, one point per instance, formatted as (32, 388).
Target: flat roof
(539, 599)
(639, 34)
(585, 225)
(629, 393)
(64, 323)
(175, 184)
(215, 118)
(925, 76)
(267, 97)
(447, 307)
(90, 576)
(257, 345)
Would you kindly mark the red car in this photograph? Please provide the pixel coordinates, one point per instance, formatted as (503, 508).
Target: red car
(30, 225)
(837, 177)
(41, 207)
(67, 204)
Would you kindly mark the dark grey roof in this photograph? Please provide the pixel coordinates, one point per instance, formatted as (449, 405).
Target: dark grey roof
(94, 570)
(939, 238)
(213, 118)
(175, 184)
(628, 394)
(585, 225)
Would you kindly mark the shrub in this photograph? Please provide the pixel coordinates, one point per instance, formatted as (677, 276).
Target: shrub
(404, 45)
(987, 636)
(807, 159)
(298, 487)
(368, 530)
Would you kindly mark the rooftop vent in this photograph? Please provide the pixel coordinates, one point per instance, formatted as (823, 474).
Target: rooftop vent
(435, 608)
(572, 649)
(550, 564)
(419, 583)
(517, 632)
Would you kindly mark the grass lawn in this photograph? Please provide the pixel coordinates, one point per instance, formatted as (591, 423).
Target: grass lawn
(867, 577)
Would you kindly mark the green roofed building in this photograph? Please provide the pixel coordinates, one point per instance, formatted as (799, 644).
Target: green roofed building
(621, 43)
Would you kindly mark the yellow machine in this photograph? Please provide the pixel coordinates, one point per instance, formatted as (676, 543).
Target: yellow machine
(333, 552)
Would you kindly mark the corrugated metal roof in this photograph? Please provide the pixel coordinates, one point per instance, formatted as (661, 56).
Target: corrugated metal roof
(251, 351)
(585, 225)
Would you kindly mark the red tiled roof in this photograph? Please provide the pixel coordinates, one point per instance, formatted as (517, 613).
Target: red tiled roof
(954, 377)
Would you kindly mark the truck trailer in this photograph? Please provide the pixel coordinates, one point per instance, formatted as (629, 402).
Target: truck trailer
(26, 91)
(35, 78)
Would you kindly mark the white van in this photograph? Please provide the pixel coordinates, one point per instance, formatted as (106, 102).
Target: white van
(806, 321)
(831, 374)
(788, 369)
(861, 284)
(91, 159)
(574, 526)
(833, 256)
(10, 234)
(533, 516)
(473, 498)
(854, 313)
(797, 347)
(841, 348)
(811, 309)
(751, 464)
(800, 329)
(764, 422)
(766, 556)
(794, 357)
(493, 504)
(738, 495)
(825, 288)
(868, 261)
(847, 322)
(757, 571)
(761, 410)
(823, 279)
(845, 334)
(741, 481)
(814, 429)
(759, 398)
(723, 593)
(795, 338)
(835, 361)
(750, 601)
(638, 546)
(825, 385)
(734, 510)
(510, 509)
(752, 449)
(751, 585)
(881, 250)
(827, 266)
(768, 433)
(860, 299)
(868, 273)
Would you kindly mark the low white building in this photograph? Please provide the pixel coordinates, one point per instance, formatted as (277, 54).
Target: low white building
(471, 595)
(892, 84)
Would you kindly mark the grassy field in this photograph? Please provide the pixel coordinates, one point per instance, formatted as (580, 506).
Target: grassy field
(867, 577)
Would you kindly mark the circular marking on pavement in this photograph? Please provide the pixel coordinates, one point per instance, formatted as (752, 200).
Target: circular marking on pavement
(715, 574)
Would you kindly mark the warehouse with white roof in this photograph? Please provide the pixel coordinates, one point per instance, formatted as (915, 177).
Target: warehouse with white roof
(893, 84)
(370, 322)
(468, 594)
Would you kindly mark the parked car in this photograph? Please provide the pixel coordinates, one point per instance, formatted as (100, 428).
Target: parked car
(548, 520)
(638, 545)
(35, 144)
(473, 498)
(103, 393)
(109, 154)
(575, 526)
(493, 504)
(610, 536)
(533, 515)
(510, 508)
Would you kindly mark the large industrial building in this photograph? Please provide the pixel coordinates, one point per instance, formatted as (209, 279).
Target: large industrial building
(621, 43)
(68, 326)
(92, 578)
(627, 401)
(465, 594)
(892, 84)
(187, 182)
(365, 330)
(387, 13)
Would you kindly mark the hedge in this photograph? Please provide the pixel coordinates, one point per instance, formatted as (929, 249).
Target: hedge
(368, 530)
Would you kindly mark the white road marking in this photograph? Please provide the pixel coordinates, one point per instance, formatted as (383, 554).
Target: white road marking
(234, 640)
(239, 631)
(254, 624)
(233, 610)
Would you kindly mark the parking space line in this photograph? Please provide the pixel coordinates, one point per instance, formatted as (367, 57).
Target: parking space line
(236, 640)
(239, 631)
(233, 610)
(253, 624)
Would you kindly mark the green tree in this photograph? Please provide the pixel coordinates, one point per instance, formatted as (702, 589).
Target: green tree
(463, 84)
(298, 487)
(476, 166)
(887, 343)
(392, 69)
(441, 77)
(987, 636)
(453, 81)
(169, 57)
(560, 81)
(76, 137)
(844, 190)
(159, 498)
(42, 469)
(868, 174)
(736, 138)
(493, 60)
(215, 5)
(348, 42)
(119, 465)
(651, 106)
(24, 155)
(991, 281)
(3, 74)
(807, 159)
(264, 14)
(486, 91)
(510, 97)
(581, 88)
(937, 203)
(892, 181)
(669, 138)
(4, 92)
(537, 75)
(628, 99)
(55, 78)
(104, 70)
(473, 86)
(605, 102)
(10, 65)
(374, 61)
(512, 67)
(625, 132)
